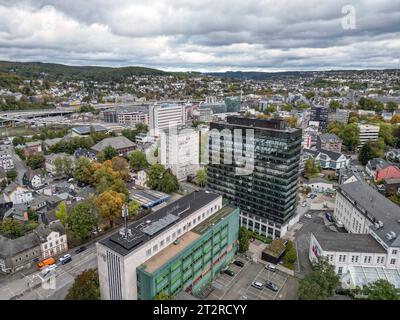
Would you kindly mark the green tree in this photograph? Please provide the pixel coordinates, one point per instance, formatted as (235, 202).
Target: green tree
(320, 283)
(12, 174)
(137, 160)
(169, 183)
(82, 172)
(382, 290)
(58, 166)
(309, 168)
(67, 166)
(290, 255)
(109, 153)
(36, 161)
(244, 239)
(366, 153)
(11, 227)
(350, 135)
(61, 213)
(154, 176)
(133, 208)
(334, 104)
(162, 296)
(201, 177)
(82, 220)
(86, 286)
(386, 133)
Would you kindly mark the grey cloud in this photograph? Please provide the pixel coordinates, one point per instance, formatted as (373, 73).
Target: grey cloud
(203, 35)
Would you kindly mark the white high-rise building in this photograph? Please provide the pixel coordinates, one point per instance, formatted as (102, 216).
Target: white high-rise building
(166, 115)
(368, 132)
(180, 152)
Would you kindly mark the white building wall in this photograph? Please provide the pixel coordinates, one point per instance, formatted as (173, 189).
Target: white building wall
(129, 263)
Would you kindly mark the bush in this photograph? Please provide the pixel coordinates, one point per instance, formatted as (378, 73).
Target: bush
(260, 237)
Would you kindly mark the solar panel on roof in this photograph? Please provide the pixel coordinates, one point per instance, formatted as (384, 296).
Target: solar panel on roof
(160, 224)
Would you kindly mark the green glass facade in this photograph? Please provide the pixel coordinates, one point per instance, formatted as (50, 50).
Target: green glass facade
(194, 267)
(270, 189)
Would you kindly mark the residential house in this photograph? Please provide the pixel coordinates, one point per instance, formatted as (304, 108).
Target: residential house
(32, 148)
(392, 186)
(17, 212)
(122, 144)
(34, 179)
(387, 173)
(6, 159)
(91, 155)
(49, 164)
(16, 254)
(327, 159)
(140, 179)
(393, 155)
(375, 164)
(330, 142)
(16, 194)
(53, 239)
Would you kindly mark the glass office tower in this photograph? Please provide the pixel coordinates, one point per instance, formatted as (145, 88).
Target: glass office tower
(266, 193)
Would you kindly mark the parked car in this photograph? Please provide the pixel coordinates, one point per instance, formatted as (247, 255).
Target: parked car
(329, 216)
(270, 267)
(304, 204)
(257, 285)
(307, 215)
(65, 259)
(341, 291)
(272, 286)
(96, 231)
(229, 273)
(50, 268)
(81, 249)
(239, 263)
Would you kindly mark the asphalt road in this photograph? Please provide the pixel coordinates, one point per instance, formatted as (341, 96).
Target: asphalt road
(31, 287)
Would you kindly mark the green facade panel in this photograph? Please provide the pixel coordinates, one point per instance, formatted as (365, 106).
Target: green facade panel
(195, 266)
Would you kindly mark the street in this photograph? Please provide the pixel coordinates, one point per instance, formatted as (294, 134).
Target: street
(64, 277)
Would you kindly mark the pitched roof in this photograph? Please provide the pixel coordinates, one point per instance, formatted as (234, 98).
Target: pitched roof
(115, 142)
(376, 207)
(11, 247)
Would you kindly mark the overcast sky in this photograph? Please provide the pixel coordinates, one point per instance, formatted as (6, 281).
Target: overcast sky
(203, 35)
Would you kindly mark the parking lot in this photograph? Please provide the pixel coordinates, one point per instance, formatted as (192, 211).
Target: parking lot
(239, 286)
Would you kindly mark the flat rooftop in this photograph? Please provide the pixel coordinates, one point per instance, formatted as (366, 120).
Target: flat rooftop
(149, 198)
(185, 240)
(348, 242)
(170, 251)
(156, 222)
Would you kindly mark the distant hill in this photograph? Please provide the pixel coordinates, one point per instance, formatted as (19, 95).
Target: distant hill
(33, 70)
(254, 75)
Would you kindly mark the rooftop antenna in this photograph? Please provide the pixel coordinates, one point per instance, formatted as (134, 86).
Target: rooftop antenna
(125, 216)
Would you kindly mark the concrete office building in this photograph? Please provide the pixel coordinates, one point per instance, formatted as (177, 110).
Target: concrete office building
(161, 117)
(319, 114)
(194, 260)
(122, 253)
(267, 193)
(340, 115)
(363, 210)
(368, 132)
(180, 152)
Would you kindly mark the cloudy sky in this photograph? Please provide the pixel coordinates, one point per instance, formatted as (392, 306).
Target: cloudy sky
(204, 35)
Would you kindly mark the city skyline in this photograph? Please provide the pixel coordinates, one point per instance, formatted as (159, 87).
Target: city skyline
(206, 37)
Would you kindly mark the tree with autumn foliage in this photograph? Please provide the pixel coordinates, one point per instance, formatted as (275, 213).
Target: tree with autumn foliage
(109, 205)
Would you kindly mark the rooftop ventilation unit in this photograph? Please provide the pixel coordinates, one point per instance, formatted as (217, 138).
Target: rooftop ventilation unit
(380, 224)
(393, 234)
(376, 225)
(389, 236)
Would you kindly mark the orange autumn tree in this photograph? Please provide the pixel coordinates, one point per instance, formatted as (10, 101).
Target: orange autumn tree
(109, 205)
